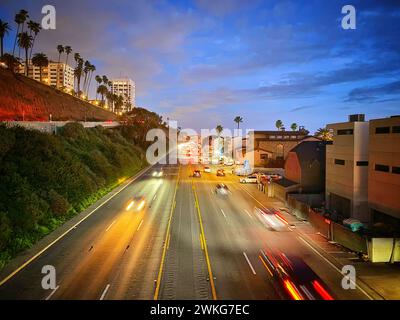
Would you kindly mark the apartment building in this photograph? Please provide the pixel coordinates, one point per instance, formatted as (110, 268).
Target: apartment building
(64, 78)
(126, 88)
(347, 169)
(384, 170)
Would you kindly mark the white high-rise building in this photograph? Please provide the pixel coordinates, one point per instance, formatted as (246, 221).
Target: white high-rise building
(124, 87)
(49, 74)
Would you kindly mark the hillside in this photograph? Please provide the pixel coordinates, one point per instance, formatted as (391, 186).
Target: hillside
(24, 98)
(63, 175)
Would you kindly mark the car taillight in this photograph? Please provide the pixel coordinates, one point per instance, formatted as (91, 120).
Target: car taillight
(322, 292)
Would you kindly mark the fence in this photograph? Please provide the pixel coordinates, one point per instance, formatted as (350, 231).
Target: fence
(326, 227)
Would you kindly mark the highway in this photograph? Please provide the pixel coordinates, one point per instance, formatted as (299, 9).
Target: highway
(186, 243)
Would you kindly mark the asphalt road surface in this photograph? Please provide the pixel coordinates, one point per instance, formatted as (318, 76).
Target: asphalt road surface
(186, 243)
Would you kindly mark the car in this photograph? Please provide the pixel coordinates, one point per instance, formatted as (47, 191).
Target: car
(271, 219)
(229, 163)
(248, 179)
(220, 173)
(292, 277)
(196, 174)
(158, 173)
(222, 189)
(136, 203)
(207, 169)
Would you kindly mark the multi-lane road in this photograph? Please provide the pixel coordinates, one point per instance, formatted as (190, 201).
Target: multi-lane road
(186, 243)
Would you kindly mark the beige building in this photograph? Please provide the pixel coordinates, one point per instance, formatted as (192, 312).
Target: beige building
(126, 88)
(64, 79)
(384, 170)
(270, 148)
(347, 169)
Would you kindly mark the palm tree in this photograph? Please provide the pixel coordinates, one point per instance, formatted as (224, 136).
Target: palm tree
(324, 134)
(238, 120)
(279, 124)
(102, 90)
(25, 42)
(118, 102)
(86, 70)
(11, 61)
(78, 75)
(34, 28)
(68, 51)
(105, 80)
(98, 80)
(60, 49)
(77, 56)
(19, 19)
(219, 129)
(40, 60)
(4, 28)
(293, 126)
(91, 70)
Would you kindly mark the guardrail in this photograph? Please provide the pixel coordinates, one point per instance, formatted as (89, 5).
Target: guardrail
(52, 126)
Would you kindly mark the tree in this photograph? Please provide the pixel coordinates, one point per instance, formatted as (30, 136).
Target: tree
(105, 80)
(11, 61)
(60, 49)
(293, 126)
(238, 120)
(118, 102)
(219, 129)
(4, 28)
(40, 60)
(279, 124)
(34, 28)
(102, 90)
(92, 69)
(98, 80)
(324, 134)
(25, 42)
(19, 19)
(68, 51)
(78, 75)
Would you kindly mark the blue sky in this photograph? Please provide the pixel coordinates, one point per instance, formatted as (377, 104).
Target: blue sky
(203, 62)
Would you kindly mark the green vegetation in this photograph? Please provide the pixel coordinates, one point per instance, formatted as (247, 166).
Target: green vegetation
(46, 179)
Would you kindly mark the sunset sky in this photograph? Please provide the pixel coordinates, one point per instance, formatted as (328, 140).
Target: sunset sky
(204, 62)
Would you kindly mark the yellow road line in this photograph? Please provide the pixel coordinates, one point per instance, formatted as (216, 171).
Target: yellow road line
(201, 242)
(156, 293)
(266, 267)
(12, 274)
(213, 291)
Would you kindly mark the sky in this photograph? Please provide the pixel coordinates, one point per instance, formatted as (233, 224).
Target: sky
(204, 62)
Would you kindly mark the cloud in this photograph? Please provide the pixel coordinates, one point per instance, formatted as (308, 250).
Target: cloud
(375, 93)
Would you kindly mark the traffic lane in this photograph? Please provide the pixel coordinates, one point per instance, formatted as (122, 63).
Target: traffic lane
(135, 278)
(99, 268)
(237, 276)
(185, 271)
(293, 242)
(26, 284)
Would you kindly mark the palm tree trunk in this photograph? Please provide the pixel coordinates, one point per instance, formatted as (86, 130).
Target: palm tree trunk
(26, 61)
(33, 42)
(15, 41)
(58, 70)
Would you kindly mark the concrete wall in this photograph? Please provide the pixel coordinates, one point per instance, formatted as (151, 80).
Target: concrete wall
(51, 127)
(349, 180)
(384, 250)
(384, 149)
